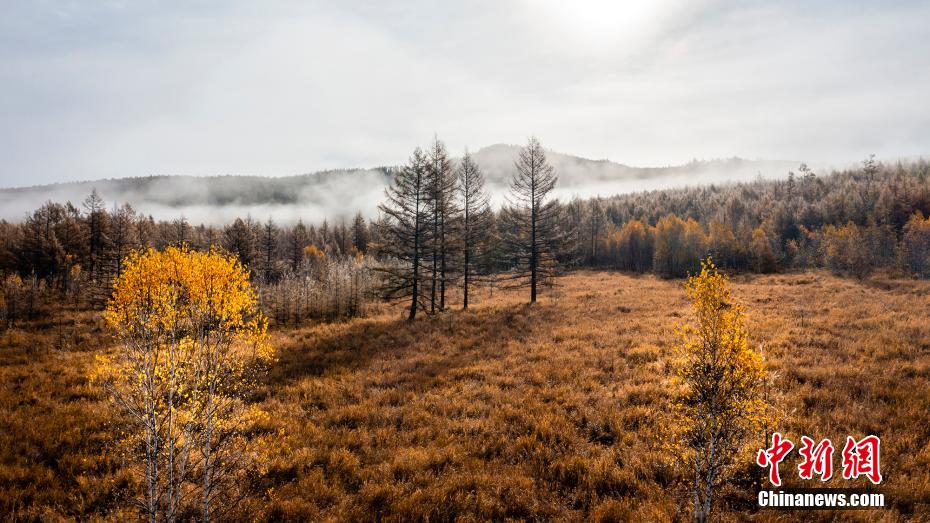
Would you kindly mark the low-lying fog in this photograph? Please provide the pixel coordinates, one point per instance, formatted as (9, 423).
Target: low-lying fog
(337, 195)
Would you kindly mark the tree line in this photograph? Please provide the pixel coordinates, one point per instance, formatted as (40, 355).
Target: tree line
(437, 232)
(69, 253)
(850, 221)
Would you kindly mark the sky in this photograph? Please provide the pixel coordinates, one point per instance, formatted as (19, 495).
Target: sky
(112, 88)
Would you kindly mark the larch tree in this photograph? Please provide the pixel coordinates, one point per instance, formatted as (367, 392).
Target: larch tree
(268, 251)
(761, 249)
(635, 246)
(595, 224)
(915, 245)
(360, 235)
(121, 236)
(721, 402)
(405, 228)
(441, 183)
(39, 249)
(96, 232)
(476, 221)
(144, 233)
(342, 238)
(679, 246)
(239, 239)
(297, 241)
(181, 232)
(533, 219)
(190, 341)
(721, 244)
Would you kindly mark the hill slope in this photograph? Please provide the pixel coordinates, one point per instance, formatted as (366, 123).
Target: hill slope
(340, 193)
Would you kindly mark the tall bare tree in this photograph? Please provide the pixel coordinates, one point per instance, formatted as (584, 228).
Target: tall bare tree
(181, 232)
(268, 251)
(96, 232)
(297, 240)
(405, 228)
(121, 235)
(444, 215)
(441, 183)
(533, 218)
(476, 220)
(595, 226)
(360, 234)
(239, 239)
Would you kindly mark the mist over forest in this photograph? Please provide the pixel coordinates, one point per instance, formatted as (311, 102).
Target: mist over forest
(339, 194)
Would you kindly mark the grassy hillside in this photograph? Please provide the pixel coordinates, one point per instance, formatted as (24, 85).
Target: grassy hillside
(555, 411)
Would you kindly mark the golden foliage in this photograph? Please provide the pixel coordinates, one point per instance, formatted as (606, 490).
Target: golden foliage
(846, 251)
(634, 246)
(313, 254)
(179, 292)
(679, 245)
(190, 333)
(722, 384)
(763, 258)
(915, 245)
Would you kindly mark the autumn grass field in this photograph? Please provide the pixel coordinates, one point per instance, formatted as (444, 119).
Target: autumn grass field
(556, 411)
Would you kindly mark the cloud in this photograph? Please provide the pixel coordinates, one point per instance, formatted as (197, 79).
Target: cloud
(109, 89)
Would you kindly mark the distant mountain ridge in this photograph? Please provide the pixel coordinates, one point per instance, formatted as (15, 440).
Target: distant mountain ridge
(337, 194)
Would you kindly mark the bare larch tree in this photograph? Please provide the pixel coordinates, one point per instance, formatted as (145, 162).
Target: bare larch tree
(533, 228)
(297, 240)
(476, 220)
(441, 183)
(121, 235)
(405, 229)
(360, 236)
(96, 232)
(268, 251)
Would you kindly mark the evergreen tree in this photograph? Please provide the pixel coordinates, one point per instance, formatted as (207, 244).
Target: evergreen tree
(595, 226)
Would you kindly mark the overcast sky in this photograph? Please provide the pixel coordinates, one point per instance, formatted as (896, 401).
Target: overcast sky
(129, 88)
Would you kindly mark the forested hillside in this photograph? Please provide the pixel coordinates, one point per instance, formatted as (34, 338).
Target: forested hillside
(337, 194)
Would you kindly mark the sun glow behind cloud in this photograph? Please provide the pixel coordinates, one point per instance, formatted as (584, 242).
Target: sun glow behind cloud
(603, 23)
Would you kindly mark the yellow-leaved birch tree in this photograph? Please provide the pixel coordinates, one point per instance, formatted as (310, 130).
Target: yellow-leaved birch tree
(191, 339)
(721, 399)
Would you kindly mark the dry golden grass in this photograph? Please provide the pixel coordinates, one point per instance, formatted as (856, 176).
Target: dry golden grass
(507, 411)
